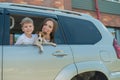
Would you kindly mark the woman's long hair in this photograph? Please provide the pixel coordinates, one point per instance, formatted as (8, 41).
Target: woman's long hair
(55, 25)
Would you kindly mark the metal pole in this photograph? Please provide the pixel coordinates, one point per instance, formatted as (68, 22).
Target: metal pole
(97, 9)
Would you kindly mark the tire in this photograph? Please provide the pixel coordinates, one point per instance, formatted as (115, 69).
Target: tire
(98, 76)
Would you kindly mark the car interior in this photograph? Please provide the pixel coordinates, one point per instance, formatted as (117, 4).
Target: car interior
(15, 26)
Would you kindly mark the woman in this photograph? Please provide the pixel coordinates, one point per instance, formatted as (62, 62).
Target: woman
(49, 27)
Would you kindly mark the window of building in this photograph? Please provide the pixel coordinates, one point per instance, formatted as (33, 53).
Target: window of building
(118, 1)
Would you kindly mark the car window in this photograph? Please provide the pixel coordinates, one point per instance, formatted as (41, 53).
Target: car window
(15, 27)
(79, 31)
(1, 26)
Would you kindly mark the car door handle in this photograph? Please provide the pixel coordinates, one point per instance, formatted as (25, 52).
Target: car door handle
(59, 53)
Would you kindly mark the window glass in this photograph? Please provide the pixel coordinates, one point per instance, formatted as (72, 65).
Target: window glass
(114, 1)
(16, 31)
(59, 39)
(79, 31)
(1, 26)
(15, 26)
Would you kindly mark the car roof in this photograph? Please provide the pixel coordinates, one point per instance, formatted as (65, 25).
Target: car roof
(27, 7)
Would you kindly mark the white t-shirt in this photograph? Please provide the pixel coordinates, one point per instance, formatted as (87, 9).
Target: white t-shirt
(23, 39)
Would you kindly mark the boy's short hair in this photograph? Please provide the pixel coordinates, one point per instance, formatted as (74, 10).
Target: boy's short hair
(26, 19)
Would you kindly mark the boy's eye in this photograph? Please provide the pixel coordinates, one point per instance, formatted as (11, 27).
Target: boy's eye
(30, 26)
(25, 26)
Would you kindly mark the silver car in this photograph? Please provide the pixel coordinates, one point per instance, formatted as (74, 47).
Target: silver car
(85, 49)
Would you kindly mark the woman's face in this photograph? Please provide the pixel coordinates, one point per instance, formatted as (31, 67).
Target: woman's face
(48, 27)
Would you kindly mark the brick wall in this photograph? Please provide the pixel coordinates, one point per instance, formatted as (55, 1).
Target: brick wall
(61, 4)
(107, 19)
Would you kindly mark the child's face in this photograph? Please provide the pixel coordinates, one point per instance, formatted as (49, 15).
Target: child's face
(27, 28)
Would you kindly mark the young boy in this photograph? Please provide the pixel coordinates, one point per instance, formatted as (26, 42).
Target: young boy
(27, 27)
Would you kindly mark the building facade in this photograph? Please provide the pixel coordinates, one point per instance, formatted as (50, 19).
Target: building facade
(61, 4)
(107, 11)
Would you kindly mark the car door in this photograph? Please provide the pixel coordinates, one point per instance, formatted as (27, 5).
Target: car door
(1, 40)
(25, 62)
(0, 62)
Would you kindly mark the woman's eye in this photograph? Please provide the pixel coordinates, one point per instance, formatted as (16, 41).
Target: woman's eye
(50, 26)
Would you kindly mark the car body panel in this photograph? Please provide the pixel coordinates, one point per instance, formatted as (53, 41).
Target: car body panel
(29, 64)
(100, 59)
(67, 73)
(92, 66)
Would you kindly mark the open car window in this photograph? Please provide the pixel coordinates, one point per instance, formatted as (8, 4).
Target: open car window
(15, 26)
(16, 31)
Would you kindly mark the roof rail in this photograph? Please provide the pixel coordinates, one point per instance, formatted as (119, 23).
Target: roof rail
(45, 8)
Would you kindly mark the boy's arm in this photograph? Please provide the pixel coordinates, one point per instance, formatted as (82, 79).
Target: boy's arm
(19, 41)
